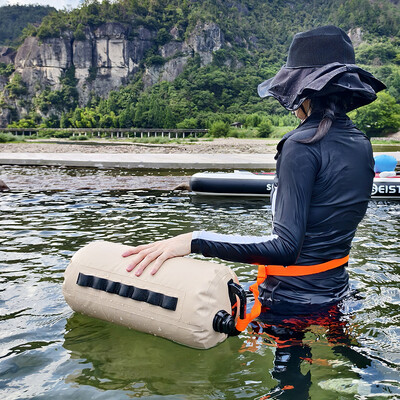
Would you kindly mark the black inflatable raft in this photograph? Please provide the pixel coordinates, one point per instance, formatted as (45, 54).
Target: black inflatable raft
(245, 183)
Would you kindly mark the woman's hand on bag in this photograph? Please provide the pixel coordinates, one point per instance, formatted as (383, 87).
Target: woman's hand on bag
(159, 252)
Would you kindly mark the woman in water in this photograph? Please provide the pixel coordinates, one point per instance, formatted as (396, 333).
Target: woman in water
(324, 175)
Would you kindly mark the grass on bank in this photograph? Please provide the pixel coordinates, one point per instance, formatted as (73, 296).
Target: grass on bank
(226, 131)
(383, 141)
(8, 137)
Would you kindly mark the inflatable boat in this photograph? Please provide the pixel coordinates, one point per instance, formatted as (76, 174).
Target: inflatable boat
(245, 183)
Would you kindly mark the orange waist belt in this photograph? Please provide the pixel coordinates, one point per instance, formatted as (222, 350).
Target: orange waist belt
(280, 270)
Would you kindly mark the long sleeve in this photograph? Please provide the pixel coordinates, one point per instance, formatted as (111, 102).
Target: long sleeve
(297, 168)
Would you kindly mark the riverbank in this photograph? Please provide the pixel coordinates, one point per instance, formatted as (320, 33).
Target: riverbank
(117, 165)
(228, 145)
(46, 157)
(216, 146)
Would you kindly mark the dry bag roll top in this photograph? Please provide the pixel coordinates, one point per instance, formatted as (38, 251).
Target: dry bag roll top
(187, 301)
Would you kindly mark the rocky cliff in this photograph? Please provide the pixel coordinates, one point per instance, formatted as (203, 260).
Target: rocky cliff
(101, 60)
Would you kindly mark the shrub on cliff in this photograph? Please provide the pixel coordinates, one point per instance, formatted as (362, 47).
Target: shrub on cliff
(16, 87)
(6, 69)
(53, 25)
(79, 33)
(155, 60)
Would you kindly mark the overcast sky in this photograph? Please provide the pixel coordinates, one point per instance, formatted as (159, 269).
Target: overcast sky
(60, 4)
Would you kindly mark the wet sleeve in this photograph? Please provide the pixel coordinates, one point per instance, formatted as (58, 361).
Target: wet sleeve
(297, 171)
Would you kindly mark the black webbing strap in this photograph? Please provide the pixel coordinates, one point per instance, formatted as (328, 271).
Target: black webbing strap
(135, 293)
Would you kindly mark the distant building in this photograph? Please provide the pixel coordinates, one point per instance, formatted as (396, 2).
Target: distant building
(237, 125)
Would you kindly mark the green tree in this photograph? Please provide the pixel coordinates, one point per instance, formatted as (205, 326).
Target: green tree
(52, 122)
(382, 51)
(265, 128)
(219, 129)
(14, 19)
(380, 117)
(225, 88)
(253, 120)
(79, 33)
(64, 121)
(23, 123)
(108, 121)
(187, 123)
(126, 117)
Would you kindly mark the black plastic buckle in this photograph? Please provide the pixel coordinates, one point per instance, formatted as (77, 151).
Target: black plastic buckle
(223, 321)
(236, 290)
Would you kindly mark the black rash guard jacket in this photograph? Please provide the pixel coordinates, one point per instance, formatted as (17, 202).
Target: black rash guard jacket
(320, 195)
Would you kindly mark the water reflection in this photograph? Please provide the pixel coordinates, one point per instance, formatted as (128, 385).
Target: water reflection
(114, 357)
(47, 351)
(288, 334)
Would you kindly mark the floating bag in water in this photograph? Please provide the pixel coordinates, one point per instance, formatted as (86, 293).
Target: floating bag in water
(187, 301)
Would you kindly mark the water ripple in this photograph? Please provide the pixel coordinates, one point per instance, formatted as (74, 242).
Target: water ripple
(47, 349)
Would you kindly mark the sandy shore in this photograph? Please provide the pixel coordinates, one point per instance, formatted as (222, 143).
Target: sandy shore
(56, 178)
(216, 146)
(228, 145)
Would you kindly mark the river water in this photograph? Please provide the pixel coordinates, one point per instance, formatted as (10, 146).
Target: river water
(47, 351)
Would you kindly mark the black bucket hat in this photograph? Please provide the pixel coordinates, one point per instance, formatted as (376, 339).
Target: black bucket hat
(321, 62)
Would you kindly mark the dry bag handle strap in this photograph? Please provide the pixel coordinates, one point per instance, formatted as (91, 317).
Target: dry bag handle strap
(133, 292)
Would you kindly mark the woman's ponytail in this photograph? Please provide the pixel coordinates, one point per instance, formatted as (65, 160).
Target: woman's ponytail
(328, 107)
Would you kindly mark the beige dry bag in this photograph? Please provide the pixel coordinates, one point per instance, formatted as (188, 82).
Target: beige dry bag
(181, 302)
